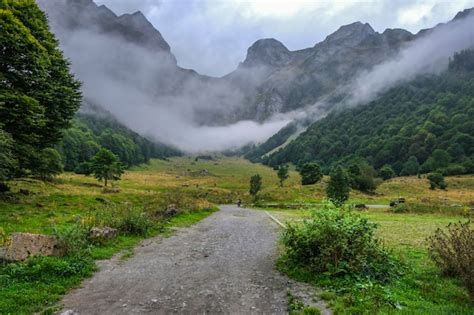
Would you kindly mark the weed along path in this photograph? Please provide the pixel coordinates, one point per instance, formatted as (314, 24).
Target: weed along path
(223, 264)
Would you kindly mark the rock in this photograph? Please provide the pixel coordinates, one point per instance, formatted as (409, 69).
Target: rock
(70, 312)
(171, 210)
(20, 246)
(99, 234)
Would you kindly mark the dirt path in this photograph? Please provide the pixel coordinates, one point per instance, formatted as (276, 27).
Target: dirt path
(223, 264)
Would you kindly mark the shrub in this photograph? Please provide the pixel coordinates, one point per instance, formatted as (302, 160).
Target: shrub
(400, 208)
(437, 181)
(44, 269)
(338, 243)
(386, 172)
(310, 173)
(453, 252)
(125, 218)
(135, 223)
(454, 169)
(73, 239)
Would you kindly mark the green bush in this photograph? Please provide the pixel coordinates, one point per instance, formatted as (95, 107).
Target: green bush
(45, 269)
(338, 243)
(454, 169)
(135, 223)
(400, 208)
(437, 181)
(453, 252)
(73, 239)
(310, 173)
(125, 218)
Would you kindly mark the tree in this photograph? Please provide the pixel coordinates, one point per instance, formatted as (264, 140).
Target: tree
(437, 181)
(411, 167)
(439, 159)
(106, 166)
(7, 159)
(255, 185)
(282, 174)
(362, 175)
(387, 172)
(310, 173)
(339, 187)
(49, 164)
(39, 95)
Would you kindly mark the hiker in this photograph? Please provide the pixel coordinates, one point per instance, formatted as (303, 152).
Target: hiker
(239, 202)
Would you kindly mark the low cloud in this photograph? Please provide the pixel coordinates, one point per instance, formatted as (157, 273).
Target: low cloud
(137, 87)
(428, 54)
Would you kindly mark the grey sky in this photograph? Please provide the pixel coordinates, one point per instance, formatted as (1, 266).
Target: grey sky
(212, 36)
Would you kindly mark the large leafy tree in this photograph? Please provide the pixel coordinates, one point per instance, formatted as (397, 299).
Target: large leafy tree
(106, 166)
(38, 94)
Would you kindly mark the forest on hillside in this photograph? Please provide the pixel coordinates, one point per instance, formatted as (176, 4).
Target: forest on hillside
(418, 127)
(91, 132)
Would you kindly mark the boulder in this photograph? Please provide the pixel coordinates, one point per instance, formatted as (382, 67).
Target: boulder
(20, 246)
(100, 234)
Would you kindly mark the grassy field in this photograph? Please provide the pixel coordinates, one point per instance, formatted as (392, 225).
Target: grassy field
(196, 187)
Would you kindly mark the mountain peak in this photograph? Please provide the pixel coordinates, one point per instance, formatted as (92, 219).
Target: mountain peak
(464, 13)
(267, 52)
(351, 33)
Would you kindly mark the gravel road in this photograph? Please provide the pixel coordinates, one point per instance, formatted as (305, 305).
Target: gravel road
(222, 265)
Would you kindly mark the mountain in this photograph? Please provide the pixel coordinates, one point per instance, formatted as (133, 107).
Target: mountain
(421, 126)
(271, 79)
(67, 15)
(297, 79)
(128, 69)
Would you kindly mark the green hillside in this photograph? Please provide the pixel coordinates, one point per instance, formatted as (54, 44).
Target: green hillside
(90, 132)
(421, 126)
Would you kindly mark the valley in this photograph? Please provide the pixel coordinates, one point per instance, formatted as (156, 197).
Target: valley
(197, 186)
(330, 171)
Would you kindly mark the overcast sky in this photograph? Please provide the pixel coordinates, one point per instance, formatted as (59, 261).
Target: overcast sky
(212, 36)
